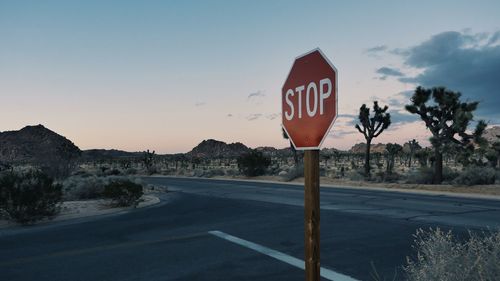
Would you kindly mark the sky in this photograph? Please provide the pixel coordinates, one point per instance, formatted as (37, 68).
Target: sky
(165, 75)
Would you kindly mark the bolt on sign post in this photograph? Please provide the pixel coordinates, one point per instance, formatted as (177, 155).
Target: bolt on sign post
(309, 109)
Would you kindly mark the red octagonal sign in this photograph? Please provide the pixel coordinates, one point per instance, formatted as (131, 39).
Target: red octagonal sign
(309, 100)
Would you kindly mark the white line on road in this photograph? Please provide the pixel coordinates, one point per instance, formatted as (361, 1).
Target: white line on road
(325, 273)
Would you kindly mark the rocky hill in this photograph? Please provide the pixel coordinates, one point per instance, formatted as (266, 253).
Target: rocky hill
(361, 148)
(492, 134)
(35, 144)
(216, 149)
(108, 154)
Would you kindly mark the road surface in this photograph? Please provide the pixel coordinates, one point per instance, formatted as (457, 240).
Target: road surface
(236, 230)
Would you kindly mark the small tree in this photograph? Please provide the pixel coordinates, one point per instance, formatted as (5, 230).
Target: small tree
(372, 127)
(413, 146)
(123, 193)
(392, 150)
(30, 196)
(447, 119)
(148, 160)
(253, 163)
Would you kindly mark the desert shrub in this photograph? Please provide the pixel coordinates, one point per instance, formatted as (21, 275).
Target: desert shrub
(123, 192)
(386, 177)
(29, 196)
(440, 256)
(425, 175)
(113, 172)
(198, 173)
(81, 188)
(217, 172)
(294, 172)
(131, 171)
(57, 168)
(81, 173)
(474, 175)
(253, 163)
(356, 175)
(232, 172)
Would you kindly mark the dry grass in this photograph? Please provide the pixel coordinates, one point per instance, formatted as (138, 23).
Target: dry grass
(440, 256)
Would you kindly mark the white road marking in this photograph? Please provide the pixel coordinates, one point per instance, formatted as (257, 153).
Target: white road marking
(325, 273)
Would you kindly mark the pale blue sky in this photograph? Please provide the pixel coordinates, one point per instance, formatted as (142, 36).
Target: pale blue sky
(165, 75)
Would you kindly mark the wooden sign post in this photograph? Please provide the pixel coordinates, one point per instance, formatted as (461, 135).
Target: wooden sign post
(309, 109)
(311, 214)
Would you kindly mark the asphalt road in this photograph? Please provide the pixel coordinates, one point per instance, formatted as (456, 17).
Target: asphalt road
(171, 241)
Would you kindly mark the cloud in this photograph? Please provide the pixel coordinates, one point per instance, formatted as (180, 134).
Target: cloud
(200, 103)
(402, 117)
(273, 116)
(348, 120)
(229, 115)
(254, 116)
(376, 49)
(460, 61)
(340, 133)
(388, 71)
(258, 94)
(400, 99)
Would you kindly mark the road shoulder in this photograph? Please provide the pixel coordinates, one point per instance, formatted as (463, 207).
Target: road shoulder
(442, 190)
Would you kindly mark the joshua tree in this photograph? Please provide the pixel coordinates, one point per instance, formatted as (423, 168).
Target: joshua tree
(372, 127)
(422, 156)
(446, 118)
(392, 150)
(148, 160)
(413, 145)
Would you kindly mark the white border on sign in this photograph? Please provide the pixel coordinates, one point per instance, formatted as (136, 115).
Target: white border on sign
(336, 100)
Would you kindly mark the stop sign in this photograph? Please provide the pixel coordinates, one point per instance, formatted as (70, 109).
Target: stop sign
(309, 100)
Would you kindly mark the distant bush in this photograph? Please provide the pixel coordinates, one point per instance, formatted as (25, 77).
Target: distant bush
(253, 163)
(81, 188)
(441, 257)
(131, 171)
(356, 175)
(84, 188)
(28, 197)
(113, 172)
(124, 193)
(217, 172)
(198, 173)
(82, 173)
(232, 172)
(391, 177)
(474, 175)
(294, 172)
(425, 175)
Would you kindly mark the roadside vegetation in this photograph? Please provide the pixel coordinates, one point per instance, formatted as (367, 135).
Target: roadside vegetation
(459, 154)
(441, 256)
(30, 195)
(26, 197)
